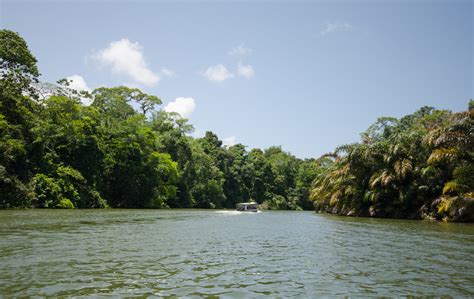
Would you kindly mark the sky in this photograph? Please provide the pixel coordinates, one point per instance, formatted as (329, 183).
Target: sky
(306, 75)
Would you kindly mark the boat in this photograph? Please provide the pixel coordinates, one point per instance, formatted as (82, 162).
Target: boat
(247, 207)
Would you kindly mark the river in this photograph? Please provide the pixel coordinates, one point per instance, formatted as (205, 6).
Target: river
(230, 254)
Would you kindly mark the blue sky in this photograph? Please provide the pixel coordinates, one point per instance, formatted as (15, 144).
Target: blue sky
(306, 75)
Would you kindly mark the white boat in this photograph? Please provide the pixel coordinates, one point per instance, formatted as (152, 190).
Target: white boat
(247, 207)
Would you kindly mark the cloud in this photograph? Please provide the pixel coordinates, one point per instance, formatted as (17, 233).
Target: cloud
(198, 134)
(228, 141)
(168, 72)
(126, 58)
(245, 70)
(78, 83)
(181, 105)
(218, 73)
(336, 27)
(240, 50)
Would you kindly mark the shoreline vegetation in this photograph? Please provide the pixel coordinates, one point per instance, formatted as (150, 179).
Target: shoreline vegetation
(122, 151)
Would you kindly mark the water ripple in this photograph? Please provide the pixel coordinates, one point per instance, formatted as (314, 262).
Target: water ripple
(146, 253)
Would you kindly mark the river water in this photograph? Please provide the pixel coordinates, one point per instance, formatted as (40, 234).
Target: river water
(194, 253)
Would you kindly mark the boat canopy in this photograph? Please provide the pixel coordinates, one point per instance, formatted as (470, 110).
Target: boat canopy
(247, 203)
(247, 206)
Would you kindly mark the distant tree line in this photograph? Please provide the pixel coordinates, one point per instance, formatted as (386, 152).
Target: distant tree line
(123, 151)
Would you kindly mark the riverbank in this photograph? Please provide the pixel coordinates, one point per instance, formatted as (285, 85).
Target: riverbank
(446, 209)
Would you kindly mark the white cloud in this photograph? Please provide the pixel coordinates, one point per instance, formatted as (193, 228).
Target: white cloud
(197, 134)
(240, 50)
(126, 58)
(168, 72)
(181, 105)
(245, 70)
(336, 27)
(78, 83)
(218, 73)
(228, 141)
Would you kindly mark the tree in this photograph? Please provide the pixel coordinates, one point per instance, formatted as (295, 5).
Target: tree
(238, 174)
(172, 133)
(17, 115)
(116, 100)
(134, 169)
(402, 168)
(207, 189)
(18, 68)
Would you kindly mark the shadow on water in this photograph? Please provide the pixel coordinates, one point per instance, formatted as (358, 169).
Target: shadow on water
(428, 225)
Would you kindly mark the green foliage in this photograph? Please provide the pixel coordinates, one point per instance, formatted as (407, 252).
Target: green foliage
(116, 101)
(277, 202)
(65, 203)
(17, 115)
(455, 208)
(13, 191)
(463, 174)
(14, 54)
(207, 189)
(401, 168)
(18, 70)
(165, 177)
(65, 188)
(48, 191)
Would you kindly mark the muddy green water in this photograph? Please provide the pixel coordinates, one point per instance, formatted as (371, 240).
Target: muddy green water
(224, 253)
